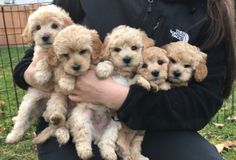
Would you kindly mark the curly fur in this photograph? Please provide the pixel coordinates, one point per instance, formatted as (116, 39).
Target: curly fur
(122, 52)
(186, 61)
(46, 21)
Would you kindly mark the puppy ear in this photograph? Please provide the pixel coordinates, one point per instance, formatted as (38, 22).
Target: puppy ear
(96, 46)
(201, 70)
(105, 49)
(67, 21)
(27, 35)
(52, 58)
(147, 42)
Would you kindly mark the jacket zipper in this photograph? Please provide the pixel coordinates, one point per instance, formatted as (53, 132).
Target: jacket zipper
(148, 10)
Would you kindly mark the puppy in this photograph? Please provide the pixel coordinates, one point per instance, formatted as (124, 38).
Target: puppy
(186, 61)
(42, 27)
(73, 51)
(153, 73)
(122, 52)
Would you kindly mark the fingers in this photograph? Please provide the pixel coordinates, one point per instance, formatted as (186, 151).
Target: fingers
(75, 98)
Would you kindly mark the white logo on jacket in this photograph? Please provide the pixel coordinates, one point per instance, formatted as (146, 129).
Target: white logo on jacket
(180, 35)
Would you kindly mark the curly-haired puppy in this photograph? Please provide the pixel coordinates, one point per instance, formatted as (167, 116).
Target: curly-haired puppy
(122, 52)
(153, 73)
(74, 49)
(186, 61)
(42, 27)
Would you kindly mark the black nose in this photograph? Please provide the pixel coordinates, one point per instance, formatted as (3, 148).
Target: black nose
(155, 73)
(45, 38)
(127, 59)
(177, 74)
(76, 67)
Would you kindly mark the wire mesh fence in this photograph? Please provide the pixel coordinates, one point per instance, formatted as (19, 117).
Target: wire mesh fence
(12, 47)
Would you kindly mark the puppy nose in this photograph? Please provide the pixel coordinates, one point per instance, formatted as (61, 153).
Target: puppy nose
(155, 73)
(127, 59)
(177, 74)
(45, 38)
(76, 67)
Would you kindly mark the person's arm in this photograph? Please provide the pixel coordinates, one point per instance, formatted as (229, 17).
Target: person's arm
(21, 67)
(185, 108)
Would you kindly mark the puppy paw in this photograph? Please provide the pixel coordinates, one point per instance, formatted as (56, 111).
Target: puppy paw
(165, 86)
(57, 119)
(104, 69)
(43, 77)
(143, 82)
(139, 156)
(62, 134)
(107, 152)
(13, 138)
(67, 84)
(84, 151)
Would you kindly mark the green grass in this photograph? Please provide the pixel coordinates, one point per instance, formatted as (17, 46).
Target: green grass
(25, 150)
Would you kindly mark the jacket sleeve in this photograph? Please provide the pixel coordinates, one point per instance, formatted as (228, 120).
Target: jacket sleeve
(73, 7)
(184, 108)
(18, 73)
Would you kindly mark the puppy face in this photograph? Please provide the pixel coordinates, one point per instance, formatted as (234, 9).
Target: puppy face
(155, 64)
(124, 46)
(44, 24)
(185, 60)
(74, 47)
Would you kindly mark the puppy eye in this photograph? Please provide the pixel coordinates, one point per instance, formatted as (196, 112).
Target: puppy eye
(160, 62)
(144, 65)
(54, 26)
(117, 49)
(38, 27)
(83, 51)
(172, 60)
(65, 55)
(187, 66)
(134, 48)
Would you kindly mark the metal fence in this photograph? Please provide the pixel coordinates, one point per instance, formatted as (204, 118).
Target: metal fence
(12, 22)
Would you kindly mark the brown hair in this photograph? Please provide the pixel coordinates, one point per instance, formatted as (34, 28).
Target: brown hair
(222, 27)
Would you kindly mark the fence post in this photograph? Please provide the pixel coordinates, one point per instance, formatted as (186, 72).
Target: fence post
(9, 53)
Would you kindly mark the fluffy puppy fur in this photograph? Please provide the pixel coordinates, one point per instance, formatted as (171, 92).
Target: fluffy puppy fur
(122, 52)
(153, 73)
(186, 61)
(42, 27)
(74, 49)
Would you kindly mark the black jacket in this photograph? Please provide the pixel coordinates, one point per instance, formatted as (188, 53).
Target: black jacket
(183, 108)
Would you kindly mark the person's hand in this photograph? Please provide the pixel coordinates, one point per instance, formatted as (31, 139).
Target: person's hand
(29, 76)
(90, 89)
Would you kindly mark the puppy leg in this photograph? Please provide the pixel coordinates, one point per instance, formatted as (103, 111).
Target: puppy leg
(107, 143)
(136, 147)
(67, 83)
(142, 82)
(81, 130)
(43, 72)
(104, 69)
(22, 121)
(56, 109)
(62, 134)
(44, 135)
(165, 86)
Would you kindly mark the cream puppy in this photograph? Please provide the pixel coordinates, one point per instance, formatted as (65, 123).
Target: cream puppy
(186, 61)
(73, 50)
(122, 52)
(42, 27)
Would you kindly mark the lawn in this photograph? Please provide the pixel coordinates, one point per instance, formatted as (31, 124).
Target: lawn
(10, 97)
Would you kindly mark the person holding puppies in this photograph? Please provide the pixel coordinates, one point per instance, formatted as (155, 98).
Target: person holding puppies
(170, 118)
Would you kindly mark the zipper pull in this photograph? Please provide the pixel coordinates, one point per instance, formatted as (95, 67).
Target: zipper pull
(149, 8)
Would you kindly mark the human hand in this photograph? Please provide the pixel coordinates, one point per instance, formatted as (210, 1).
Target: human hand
(90, 89)
(29, 76)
